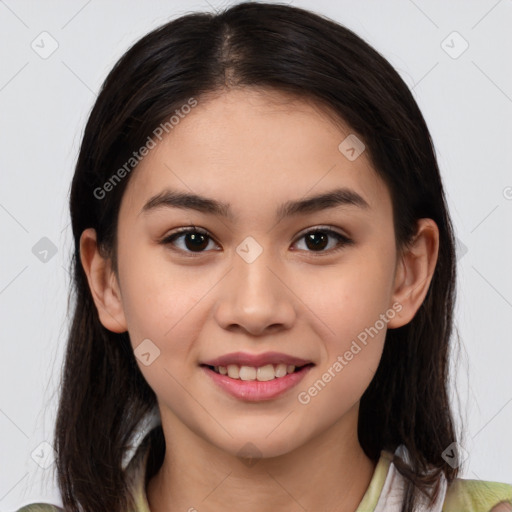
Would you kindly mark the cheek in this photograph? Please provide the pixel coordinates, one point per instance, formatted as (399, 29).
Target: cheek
(353, 304)
(351, 297)
(162, 303)
(352, 348)
(159, 300)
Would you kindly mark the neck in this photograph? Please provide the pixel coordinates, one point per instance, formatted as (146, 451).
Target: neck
(330, 473)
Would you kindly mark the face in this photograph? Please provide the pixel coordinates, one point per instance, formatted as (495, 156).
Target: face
(312, 284)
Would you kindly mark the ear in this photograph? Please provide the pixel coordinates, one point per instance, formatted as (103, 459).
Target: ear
(102, 283)
(414, 272)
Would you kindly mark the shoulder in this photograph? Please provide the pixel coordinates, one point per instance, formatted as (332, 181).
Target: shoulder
(478, 496)
(40, 507)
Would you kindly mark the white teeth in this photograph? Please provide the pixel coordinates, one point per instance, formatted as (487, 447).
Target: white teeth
(261, 374)
(281, 370)
(265, 373)
(233, 371)
(247, 373)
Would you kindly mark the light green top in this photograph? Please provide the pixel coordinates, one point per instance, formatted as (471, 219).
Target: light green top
(461, 496)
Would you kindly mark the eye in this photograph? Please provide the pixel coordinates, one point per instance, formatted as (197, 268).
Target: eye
(193, 239)
(317, 240)
(196, 240)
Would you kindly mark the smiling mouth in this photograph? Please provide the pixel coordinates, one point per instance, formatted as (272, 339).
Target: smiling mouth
(264, 373)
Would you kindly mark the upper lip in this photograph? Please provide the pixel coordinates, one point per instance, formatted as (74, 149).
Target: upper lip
(256, 360)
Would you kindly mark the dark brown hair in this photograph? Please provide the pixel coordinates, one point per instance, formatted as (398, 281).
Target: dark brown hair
(104, 396)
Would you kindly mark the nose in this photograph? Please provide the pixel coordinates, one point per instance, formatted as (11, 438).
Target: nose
(255, 298)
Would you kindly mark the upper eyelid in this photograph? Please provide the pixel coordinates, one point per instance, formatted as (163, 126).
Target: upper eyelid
(188, 229)
(204, 231)
(320, 227)
(305, 231)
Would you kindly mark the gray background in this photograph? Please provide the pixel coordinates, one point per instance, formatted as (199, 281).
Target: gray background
(466, 98)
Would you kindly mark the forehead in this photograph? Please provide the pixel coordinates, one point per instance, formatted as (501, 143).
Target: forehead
(253, 148)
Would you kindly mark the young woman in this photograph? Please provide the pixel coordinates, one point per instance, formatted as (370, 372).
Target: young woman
(264, 273)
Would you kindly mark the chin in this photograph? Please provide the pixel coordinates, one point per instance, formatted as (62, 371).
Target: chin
(259, 444)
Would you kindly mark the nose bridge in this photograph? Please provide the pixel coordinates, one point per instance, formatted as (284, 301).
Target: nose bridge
(254, 298)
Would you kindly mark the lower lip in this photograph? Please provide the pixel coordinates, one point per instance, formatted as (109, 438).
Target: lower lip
(254, 390)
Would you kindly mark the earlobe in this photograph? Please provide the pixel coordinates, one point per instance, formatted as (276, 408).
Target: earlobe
(102, 283)
(414, 273)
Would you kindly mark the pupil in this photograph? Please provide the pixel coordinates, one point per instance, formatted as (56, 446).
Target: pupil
(196, 241)
(318, 240)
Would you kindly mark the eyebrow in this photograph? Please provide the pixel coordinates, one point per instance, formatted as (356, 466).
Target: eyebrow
(331, 199)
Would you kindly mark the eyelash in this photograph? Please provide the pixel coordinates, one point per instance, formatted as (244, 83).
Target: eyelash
(343, 241)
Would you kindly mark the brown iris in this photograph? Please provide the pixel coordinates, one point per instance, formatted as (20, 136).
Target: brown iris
(196, 241)
(316, 240)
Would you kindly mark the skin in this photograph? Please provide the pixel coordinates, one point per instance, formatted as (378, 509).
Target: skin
(255, 150)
